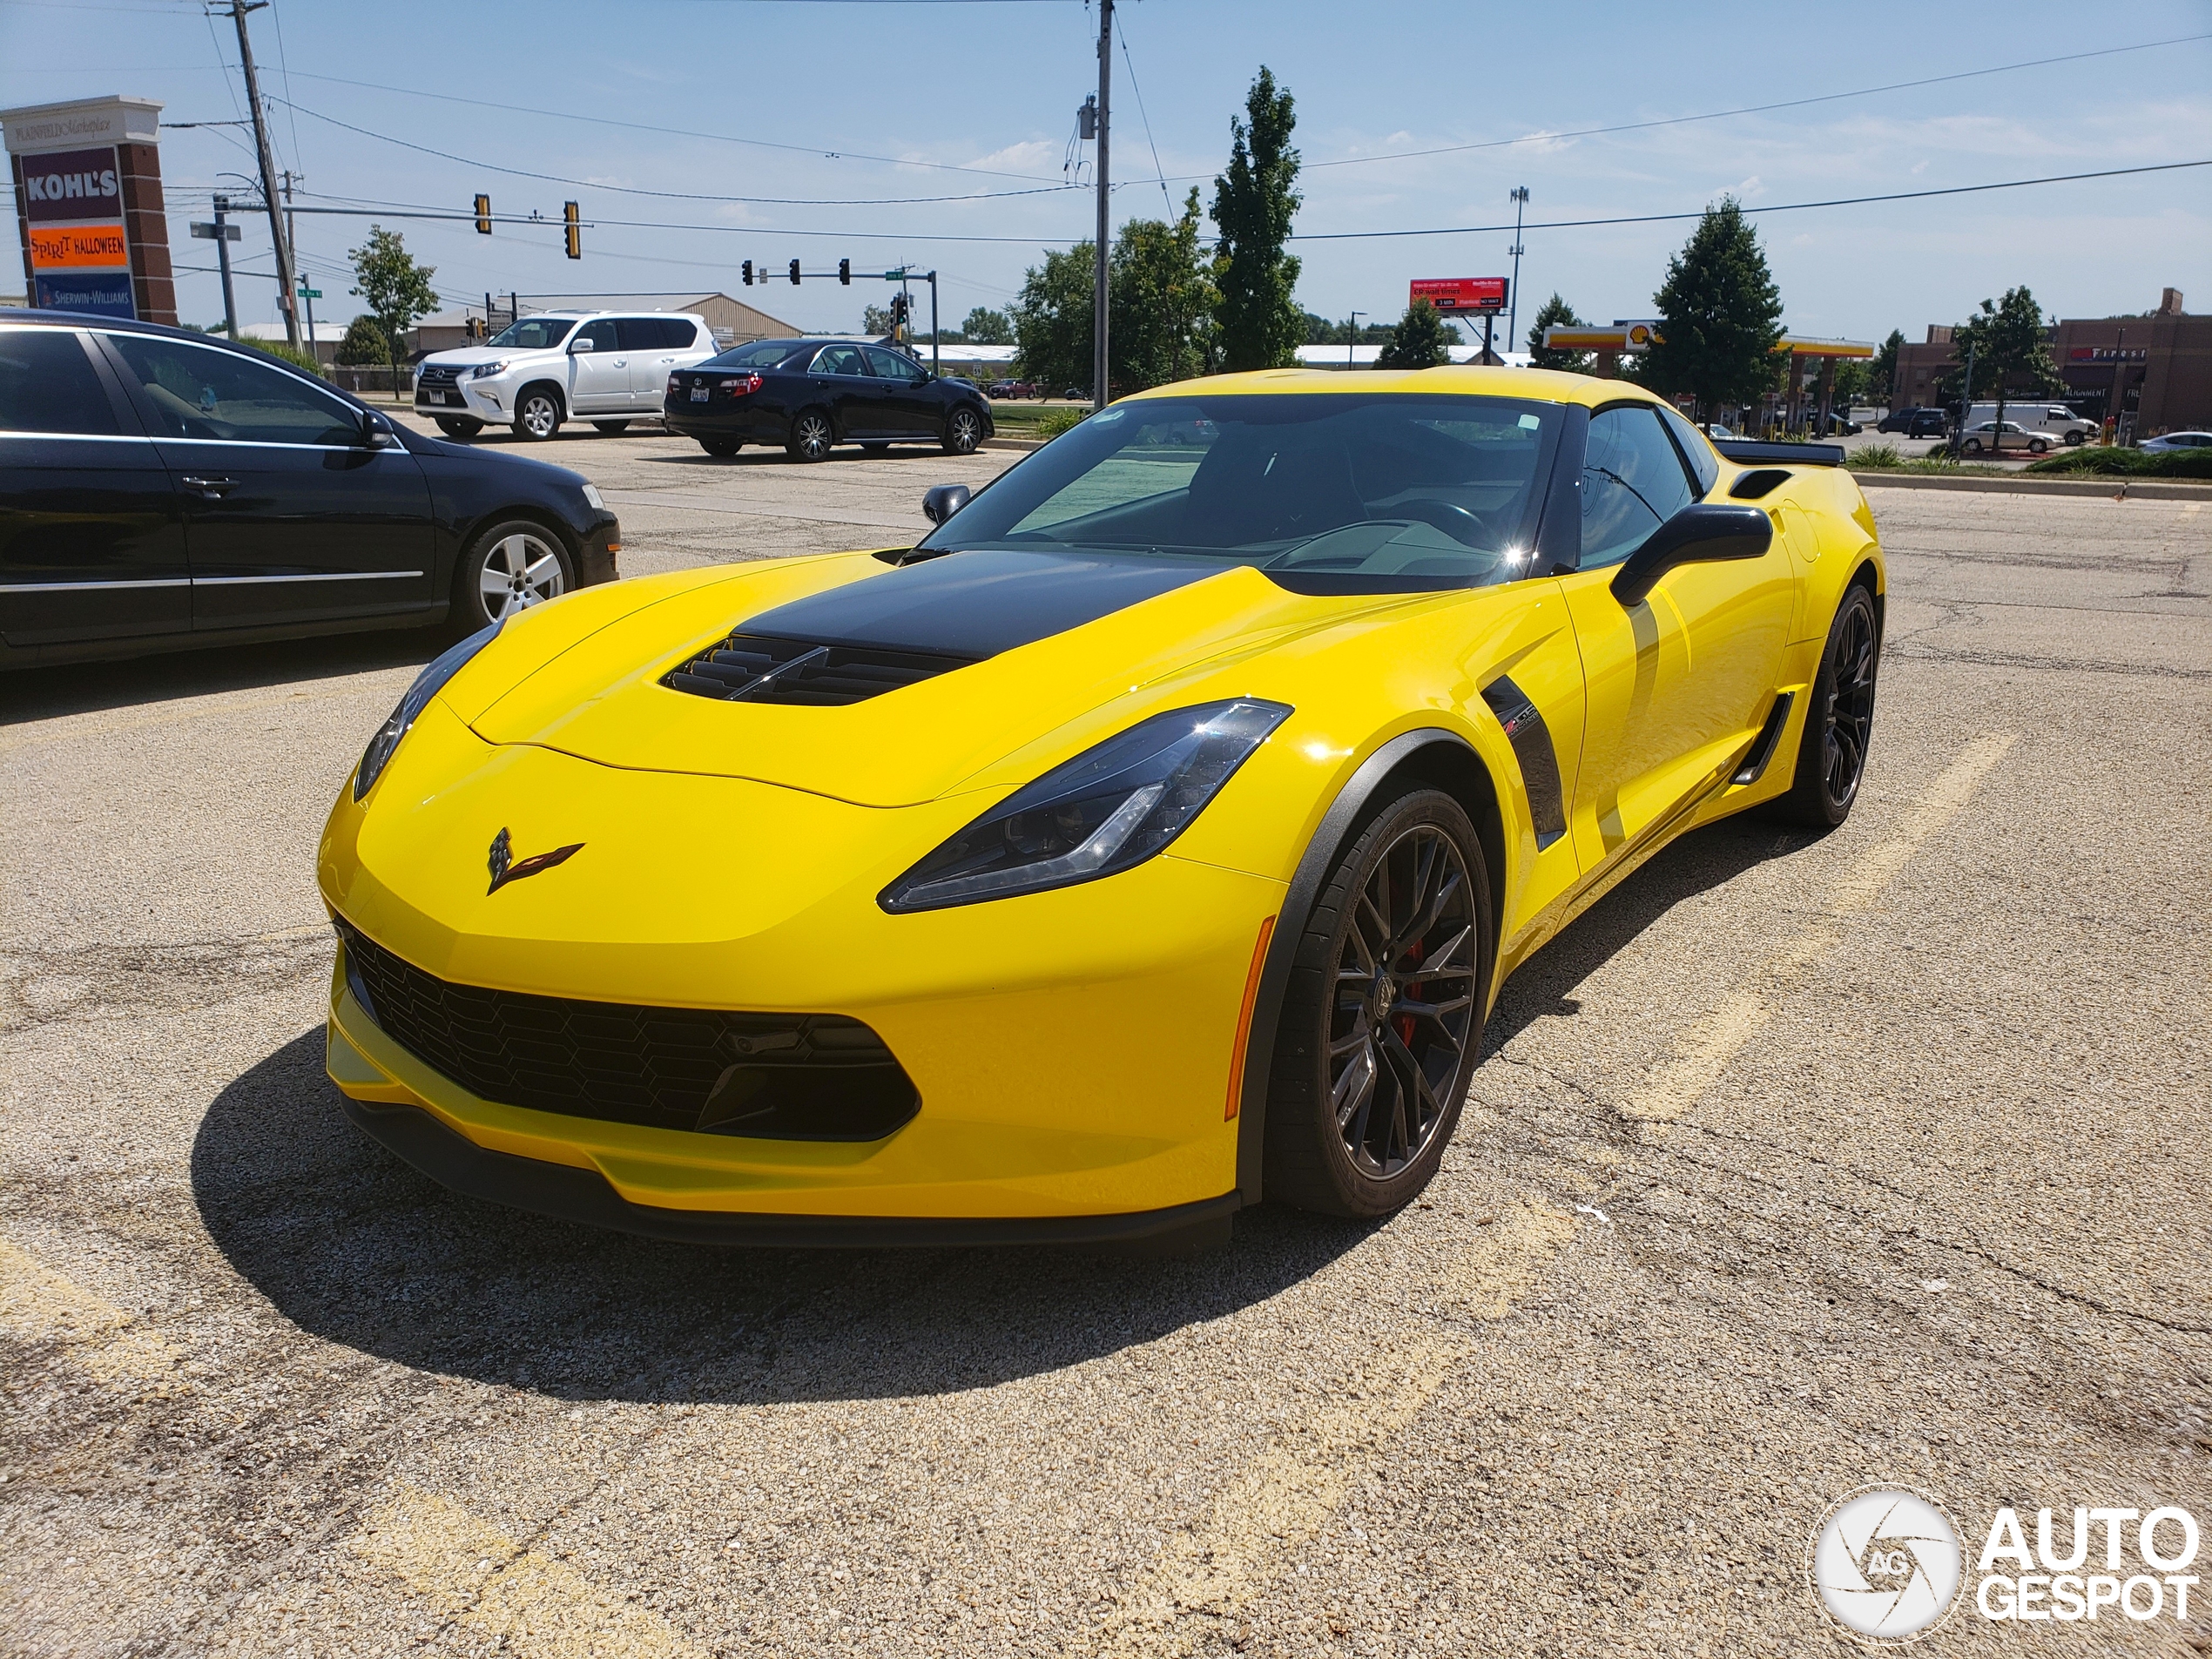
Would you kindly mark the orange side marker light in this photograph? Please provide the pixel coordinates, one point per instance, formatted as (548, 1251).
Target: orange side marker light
(1244, 1020)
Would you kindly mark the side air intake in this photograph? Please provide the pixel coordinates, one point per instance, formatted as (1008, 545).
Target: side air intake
(750, 668)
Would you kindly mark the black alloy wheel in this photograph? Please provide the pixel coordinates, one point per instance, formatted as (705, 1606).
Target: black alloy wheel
(1381, 1023)
(963, 432)
(455, 426)
(612, 428)
(537, 414)
(811, 436)
(1840, 721)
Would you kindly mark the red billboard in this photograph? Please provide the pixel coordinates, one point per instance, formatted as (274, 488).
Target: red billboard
(1461, 293)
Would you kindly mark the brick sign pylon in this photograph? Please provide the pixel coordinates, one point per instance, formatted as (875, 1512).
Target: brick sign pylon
(89, 212)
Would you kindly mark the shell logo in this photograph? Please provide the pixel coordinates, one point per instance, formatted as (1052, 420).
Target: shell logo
(1640, 334)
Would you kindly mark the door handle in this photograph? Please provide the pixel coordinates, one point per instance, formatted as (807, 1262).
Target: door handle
(209, 486)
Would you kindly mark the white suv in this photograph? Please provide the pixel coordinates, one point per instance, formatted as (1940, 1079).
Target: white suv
(608, 367)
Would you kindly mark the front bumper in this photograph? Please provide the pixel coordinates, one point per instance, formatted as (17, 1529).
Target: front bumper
(465, 399)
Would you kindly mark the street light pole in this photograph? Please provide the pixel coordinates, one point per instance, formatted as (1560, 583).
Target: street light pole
(223, 259)
(1098, 274)
(1351, 340)
(1512, 296)
(239, 9)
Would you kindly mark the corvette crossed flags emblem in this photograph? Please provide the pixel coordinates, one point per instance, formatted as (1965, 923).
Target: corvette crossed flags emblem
(506, 867)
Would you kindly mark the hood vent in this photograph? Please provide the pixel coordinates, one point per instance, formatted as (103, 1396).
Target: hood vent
(753, 668)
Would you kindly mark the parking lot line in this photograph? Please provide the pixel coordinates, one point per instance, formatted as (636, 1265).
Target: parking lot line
(1256, 1523)
(1706, 1049)
(39, 1305)
(473, 1574)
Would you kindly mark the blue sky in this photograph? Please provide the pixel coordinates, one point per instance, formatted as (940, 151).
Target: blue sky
(861, 108)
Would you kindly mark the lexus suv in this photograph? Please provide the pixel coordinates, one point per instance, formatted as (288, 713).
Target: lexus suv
(607, 367)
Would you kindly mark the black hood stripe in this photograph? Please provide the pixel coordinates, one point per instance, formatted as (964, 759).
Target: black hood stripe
(979, 604)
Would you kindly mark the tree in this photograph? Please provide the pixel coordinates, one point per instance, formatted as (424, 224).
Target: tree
(1881, 380)
(2009, 347)
(396, 287)
(988, 328)
(1261, 323)
(1422, 340)
(1556, 313)
(364, 343)
(1160, 285)
(1052, 318)
(1720, 317)
(875, 319)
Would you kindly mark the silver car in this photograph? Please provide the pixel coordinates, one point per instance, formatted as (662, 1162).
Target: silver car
(2000, 435)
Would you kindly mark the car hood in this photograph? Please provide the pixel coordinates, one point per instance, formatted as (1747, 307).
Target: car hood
(470, 356)
(1055, 651)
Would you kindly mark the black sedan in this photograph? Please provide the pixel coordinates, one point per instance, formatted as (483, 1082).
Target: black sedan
(809, 396)
(1917, 422)
(162, 491)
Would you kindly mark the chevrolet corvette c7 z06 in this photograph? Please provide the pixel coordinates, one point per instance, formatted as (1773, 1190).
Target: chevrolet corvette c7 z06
(1152, 837)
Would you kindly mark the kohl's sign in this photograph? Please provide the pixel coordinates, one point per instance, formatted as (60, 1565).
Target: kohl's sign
(72, 184)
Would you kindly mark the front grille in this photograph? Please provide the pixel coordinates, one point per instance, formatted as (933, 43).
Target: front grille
(772, 1076)
(429, 376)
(749, 668)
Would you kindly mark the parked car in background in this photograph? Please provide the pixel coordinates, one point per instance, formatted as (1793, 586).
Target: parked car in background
(1996, 437)
(2168, 443)
(607, 367)
(1714, 430)
(808, 395)
(1916, 423)
(2054, 420)
(160, 490)
(1016, 389)
(1839, 425)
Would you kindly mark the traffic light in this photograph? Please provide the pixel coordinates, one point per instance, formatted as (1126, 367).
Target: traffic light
(748, 274)
(483, 216)
(794, 273)
(570, 217)
(845, 271)
(899, 316)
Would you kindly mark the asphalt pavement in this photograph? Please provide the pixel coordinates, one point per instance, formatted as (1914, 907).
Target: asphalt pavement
(1799, 1163)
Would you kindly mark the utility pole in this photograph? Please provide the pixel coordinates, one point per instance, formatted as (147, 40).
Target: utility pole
(1098, 279)
(239, 9)
(223, 231)
(2119, 379)
(1513, 295)
(302, 287)
(1351, 340)
(1965, 404)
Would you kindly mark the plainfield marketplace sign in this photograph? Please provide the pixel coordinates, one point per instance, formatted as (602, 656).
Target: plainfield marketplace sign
(88, 210)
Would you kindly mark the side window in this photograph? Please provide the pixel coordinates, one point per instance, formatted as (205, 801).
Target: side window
(1633, 481)
(839, 360)
(639, 333)
(889, 365)
(1694, 450)
(200, 392)
(680, 333)
(602, 335)
(47, 384)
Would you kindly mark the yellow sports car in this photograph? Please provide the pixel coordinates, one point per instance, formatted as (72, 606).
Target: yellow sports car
(1151, 839)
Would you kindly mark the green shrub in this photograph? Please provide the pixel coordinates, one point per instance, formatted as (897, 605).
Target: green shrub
(298, 358)
(1876, 457)
(1057, 422)
(364, 343)
(2107, 459)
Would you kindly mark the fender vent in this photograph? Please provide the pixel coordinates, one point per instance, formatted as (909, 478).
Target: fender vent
(755, 668)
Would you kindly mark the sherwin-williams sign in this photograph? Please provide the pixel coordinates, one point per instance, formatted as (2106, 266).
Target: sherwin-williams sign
(72, 185)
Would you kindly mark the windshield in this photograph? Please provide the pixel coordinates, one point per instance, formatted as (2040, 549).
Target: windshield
(1327, 492)
(761, 353)
(534, 334)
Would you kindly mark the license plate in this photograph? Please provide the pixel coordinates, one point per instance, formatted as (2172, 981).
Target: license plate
(698, 395)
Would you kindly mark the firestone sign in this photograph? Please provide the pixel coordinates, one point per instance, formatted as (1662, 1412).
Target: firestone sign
(89, 211)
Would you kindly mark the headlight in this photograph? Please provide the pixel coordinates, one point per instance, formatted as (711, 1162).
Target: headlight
(427, 685)
(485, 371)
(1110, 807)
(592, 498)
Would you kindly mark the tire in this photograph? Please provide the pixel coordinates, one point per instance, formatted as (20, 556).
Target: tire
(812, 436)
(1839, 719)
(963, 432)
(538, 413)
(1971, 446)
(2074, 438)
(2037, 447)
(723, 447)
(505, 572)
(456, 426)
(1360, 1110)
(612, 428)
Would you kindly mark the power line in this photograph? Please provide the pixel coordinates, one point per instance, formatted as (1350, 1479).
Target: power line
(1142, 115)
(1778, 207)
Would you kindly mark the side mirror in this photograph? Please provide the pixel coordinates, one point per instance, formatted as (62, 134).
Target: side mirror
(586, 343)
(944, 500)
(1702, 533)
(376, 432)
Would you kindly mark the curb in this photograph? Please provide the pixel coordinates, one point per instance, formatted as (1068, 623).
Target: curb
(2111, 486)
(1014, 443)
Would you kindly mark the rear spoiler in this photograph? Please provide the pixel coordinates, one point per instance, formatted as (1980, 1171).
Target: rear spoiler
(1780, 454)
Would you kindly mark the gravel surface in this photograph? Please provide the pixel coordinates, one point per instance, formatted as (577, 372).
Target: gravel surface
(1797, 1164)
